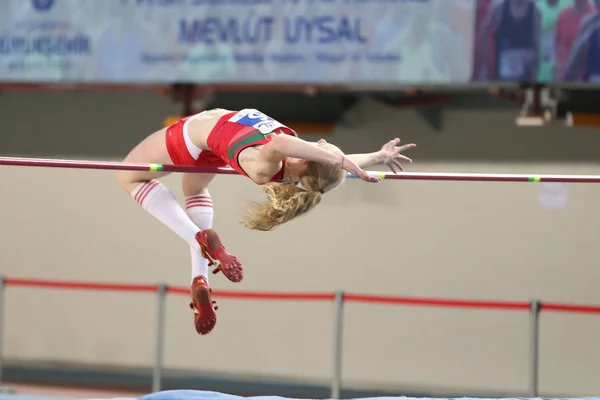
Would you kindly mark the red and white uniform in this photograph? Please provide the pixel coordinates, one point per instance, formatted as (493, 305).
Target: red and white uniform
(234, 132)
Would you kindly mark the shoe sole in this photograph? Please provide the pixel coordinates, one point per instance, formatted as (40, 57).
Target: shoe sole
(202, 297)
(203, 301)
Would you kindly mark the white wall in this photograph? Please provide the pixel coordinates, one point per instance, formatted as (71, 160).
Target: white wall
(463, 240)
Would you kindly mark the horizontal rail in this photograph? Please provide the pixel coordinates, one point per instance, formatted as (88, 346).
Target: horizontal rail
(506, 305)
(117, 287)
(433, 176)
(308, 296)
(570, 308)
(260, 295)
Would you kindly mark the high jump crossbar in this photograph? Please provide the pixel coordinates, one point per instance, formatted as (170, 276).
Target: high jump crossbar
(425, 176)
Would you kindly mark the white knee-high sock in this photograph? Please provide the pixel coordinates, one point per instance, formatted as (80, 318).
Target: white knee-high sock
(200, 210)
(159, 201)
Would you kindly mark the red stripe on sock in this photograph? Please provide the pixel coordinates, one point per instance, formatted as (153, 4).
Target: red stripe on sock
(199, 204)
(201, 197)
(140, 190)
(145, 190)
(155, 184)
(194, 199)
(199, 200)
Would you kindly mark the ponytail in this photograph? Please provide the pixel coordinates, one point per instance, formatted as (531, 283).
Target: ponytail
(285, 201)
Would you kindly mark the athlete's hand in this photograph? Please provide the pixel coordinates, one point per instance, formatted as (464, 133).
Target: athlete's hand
(355, 170)
(390, 155)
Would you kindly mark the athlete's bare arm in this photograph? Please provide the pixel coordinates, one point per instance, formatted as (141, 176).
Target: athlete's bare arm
(390, 155)
(366, 160)
(268, 160)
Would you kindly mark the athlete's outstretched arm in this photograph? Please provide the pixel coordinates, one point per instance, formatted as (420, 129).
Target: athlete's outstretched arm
(388, 155)
(283, 146)
(366, 160)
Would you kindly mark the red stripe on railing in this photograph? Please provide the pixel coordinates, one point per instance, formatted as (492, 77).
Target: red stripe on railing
(438, 302)
(79, 285)
(571, 308)
(260, 295)
(349, 297)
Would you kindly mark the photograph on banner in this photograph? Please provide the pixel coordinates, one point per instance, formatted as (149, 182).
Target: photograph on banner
(241, 41)
(532, 40)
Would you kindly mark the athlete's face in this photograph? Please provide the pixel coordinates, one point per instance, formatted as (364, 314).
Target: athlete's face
(297, 166)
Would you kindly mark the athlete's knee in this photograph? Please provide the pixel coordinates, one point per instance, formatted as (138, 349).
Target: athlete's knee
(126, 181)
(194, 191)
(195, 184)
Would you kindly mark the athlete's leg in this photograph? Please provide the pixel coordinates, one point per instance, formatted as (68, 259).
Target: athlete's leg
(199, 208)
(152, 195)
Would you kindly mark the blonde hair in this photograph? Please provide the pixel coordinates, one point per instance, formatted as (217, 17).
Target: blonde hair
(286, 201)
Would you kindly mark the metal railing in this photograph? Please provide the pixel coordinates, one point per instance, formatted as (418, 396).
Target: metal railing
(339, 299)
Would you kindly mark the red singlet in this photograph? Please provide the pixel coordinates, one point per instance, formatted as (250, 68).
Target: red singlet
(234, 132)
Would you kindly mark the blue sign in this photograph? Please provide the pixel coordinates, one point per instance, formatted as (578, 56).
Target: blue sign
(237, 41)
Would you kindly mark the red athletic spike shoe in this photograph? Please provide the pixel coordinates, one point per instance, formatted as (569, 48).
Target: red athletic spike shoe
(215, 253)
(204, 308)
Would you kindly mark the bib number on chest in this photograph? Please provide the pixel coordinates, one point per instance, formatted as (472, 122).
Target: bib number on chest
(257, 120)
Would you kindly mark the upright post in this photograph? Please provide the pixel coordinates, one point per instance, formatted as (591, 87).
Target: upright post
(338, 333)
(161, 292)
(534, 344)
(2, 290)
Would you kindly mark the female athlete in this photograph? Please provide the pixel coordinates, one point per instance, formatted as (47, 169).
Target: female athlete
(294, 175)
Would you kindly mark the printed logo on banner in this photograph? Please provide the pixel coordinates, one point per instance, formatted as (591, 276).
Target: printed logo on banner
(257, 120)
(44, 43)
(236, 41)
(42, 5)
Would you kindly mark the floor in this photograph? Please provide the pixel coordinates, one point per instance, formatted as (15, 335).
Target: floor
(68, 392)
